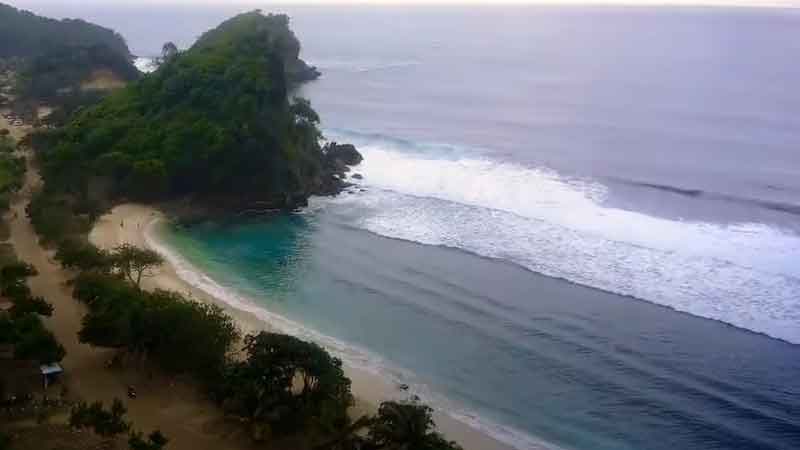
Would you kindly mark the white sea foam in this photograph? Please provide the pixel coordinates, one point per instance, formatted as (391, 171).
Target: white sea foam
(352, 355)
(144, 64)
(361, 65)
(747, 275)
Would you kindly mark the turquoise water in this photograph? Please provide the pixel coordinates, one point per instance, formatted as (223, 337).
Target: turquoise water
(523, 356)
(577, 224)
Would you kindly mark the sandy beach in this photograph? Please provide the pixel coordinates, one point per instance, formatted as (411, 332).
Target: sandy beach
(137, 224)
(173, 406)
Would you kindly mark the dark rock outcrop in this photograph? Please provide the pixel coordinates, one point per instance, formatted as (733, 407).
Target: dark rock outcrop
(336, 161)
(342, 153)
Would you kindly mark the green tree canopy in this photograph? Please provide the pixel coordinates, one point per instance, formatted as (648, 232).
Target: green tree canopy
(288, 384)
(134, 262)
(406, 425)
(213, 122)
(23, 34)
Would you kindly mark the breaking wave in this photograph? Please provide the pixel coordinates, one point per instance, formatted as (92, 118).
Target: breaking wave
(745, 274)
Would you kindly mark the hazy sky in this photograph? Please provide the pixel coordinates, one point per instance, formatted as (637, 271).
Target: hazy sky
(766, 3)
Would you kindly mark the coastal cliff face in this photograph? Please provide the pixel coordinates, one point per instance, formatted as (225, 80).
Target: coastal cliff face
(214, 127)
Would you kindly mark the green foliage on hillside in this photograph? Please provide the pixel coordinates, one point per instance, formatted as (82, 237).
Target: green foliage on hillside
(283, 41)
(59, 71)
(214, 121)
(24, 34)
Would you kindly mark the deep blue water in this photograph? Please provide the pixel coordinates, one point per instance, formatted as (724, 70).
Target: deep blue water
(577, 224)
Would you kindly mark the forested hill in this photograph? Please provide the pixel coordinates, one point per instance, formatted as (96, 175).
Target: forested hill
(24, 34)
(283, 40)
(214, 123)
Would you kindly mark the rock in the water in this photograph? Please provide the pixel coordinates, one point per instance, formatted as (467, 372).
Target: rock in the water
(345, 153)
(336, 162)
(357, 176)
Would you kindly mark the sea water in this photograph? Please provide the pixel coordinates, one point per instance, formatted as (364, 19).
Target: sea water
(576, 226)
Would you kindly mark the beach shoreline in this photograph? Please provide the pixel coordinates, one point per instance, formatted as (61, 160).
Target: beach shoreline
(136, 224)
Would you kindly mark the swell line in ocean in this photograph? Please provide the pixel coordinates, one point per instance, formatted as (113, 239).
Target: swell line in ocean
(353, 355)
(743, 274)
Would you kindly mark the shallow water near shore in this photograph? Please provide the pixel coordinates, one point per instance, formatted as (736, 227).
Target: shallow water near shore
(576, 225)
(493, 343)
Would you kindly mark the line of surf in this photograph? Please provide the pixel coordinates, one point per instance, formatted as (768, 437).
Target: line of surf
(353, 355)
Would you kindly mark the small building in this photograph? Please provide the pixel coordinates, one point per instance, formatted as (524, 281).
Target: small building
(50, 373)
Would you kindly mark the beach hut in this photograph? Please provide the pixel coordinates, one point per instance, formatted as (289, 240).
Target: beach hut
(50, 373)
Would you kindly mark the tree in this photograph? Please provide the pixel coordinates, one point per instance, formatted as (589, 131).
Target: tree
(302, 109)
(17, 271)
(122, 316)
(29, 304)
(13, 284)
(262, 387)
(155, 441)
(33, 341)
(134, 262)
(168, 52)
(406, 426)
(81, 255)
(105, 423)
(215, 123)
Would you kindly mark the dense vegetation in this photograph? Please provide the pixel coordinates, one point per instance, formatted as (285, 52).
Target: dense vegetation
(54, 59)
(59, 72)
(284, 42)
(214, 122)
(280, 385)
(22, 326)
(24, 34)
(111, 422)
(122, 316)
(12, 171)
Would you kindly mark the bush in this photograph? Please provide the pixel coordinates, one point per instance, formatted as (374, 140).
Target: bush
(105, 423)
(122, 316)
(52, 216)
(79, 254)
(155, 441)
(30, 338)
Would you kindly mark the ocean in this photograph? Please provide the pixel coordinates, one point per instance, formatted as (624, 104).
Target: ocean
(577, 227)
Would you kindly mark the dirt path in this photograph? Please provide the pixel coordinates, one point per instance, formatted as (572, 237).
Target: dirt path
(188, 420)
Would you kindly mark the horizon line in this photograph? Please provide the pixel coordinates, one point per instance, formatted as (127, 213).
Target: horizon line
(750, 4)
